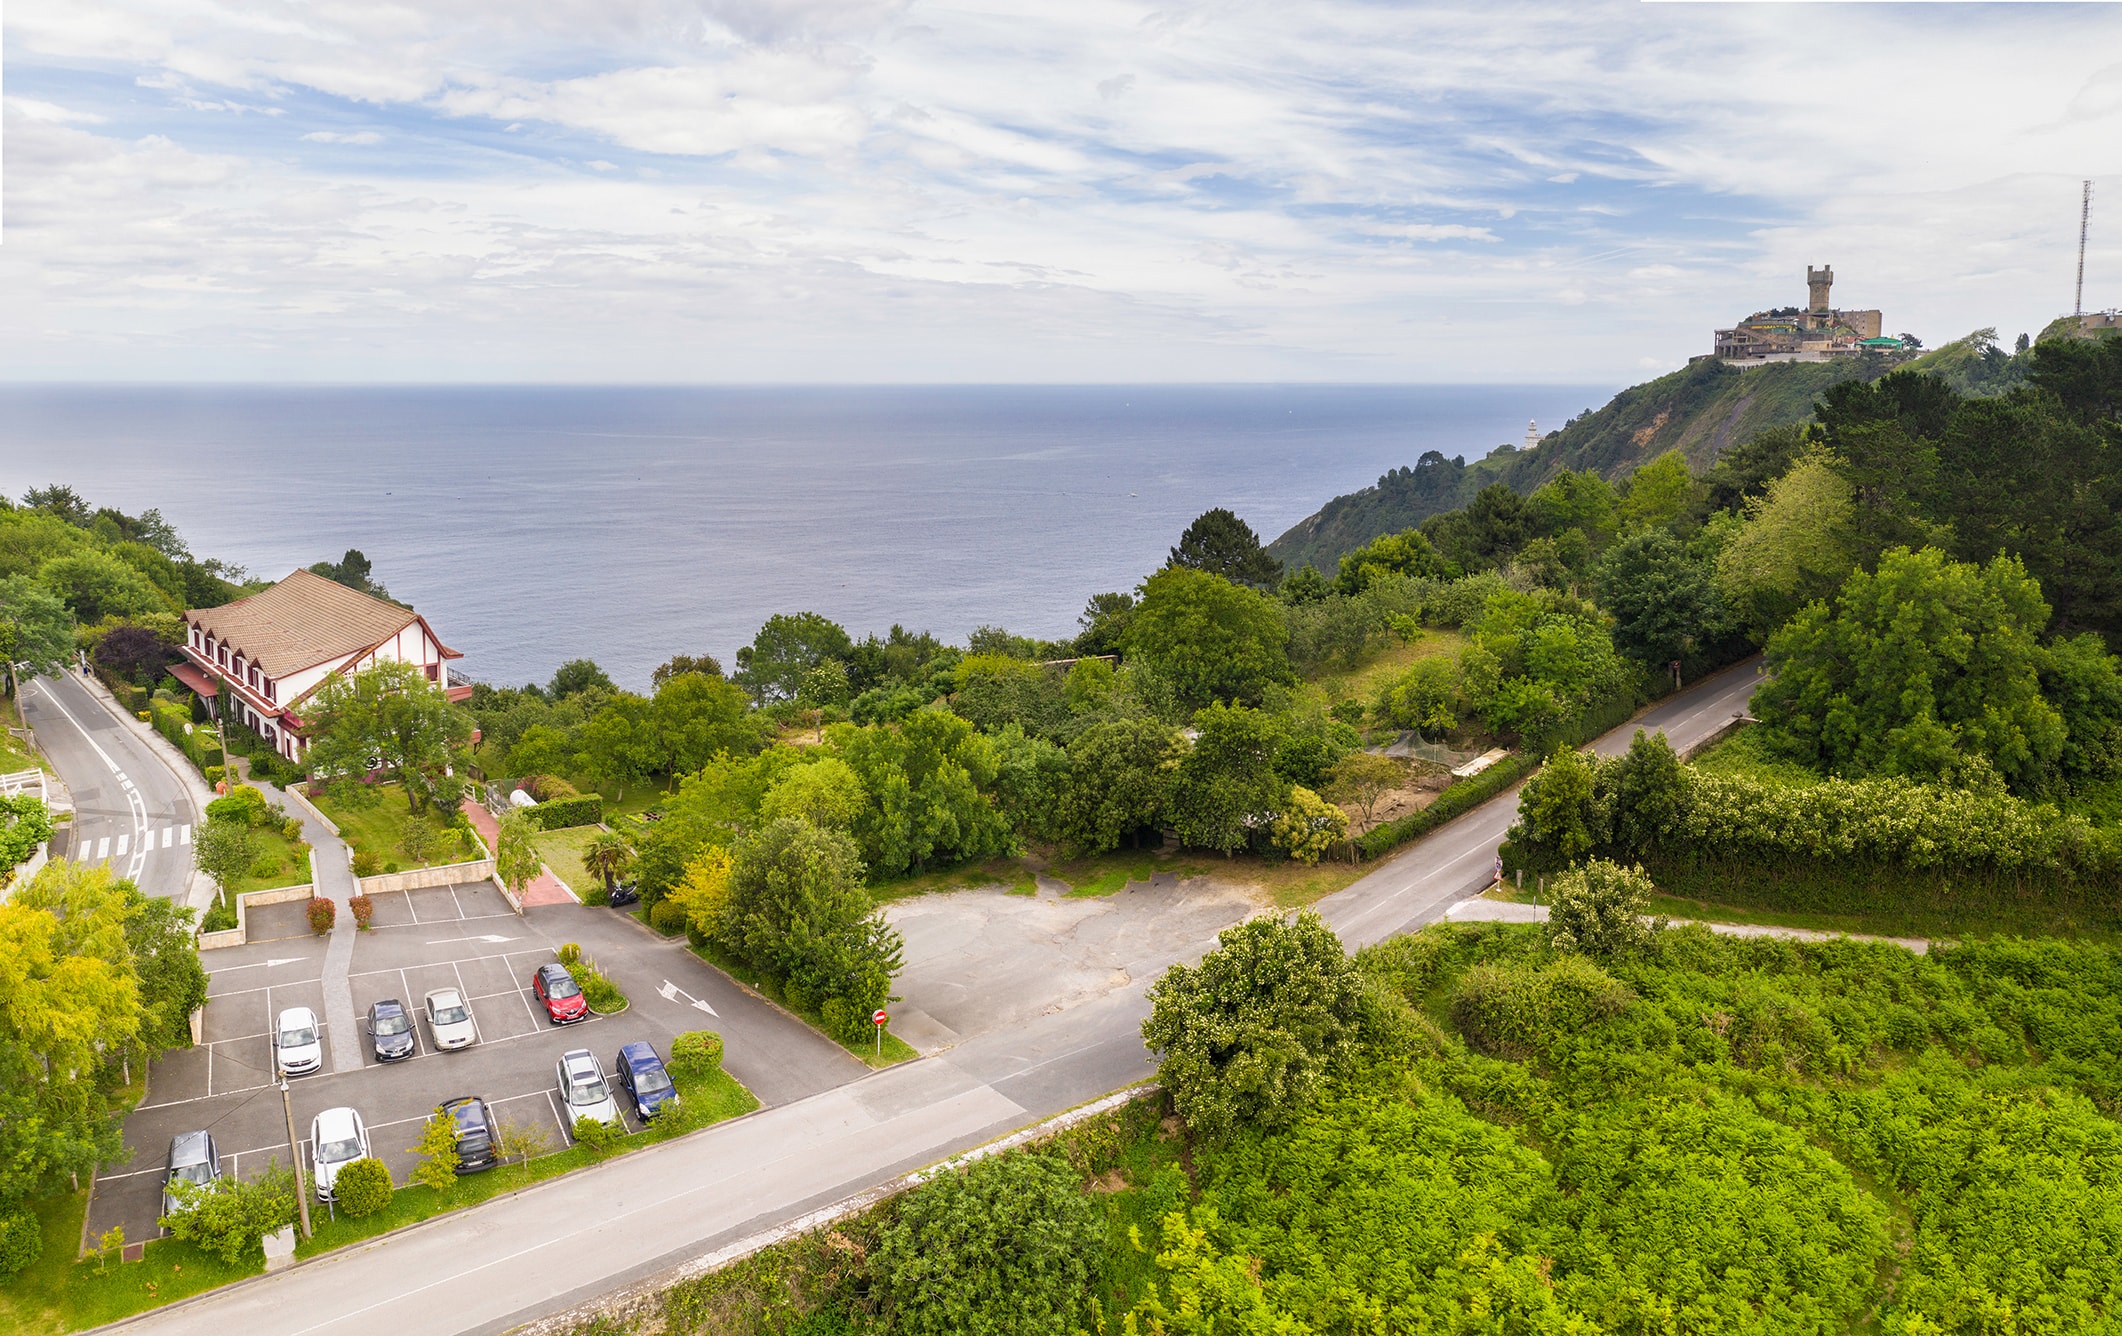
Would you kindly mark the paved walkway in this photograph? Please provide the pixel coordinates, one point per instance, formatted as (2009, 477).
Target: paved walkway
(1479, 910)
(331, 864)
(545, 888)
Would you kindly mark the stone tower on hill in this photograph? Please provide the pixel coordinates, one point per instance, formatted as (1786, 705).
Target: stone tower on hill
(1815, 334)
(1818, 281)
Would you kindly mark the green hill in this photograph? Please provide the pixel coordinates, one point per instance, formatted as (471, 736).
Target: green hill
(1697, 410)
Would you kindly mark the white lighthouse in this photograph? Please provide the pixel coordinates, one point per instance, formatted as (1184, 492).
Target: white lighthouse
(1532, 434)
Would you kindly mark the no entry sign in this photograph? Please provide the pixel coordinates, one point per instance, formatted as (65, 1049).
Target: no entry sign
(878, 1017)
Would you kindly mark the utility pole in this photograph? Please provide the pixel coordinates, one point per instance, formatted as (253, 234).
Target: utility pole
(294, 1151)
(2085, 218)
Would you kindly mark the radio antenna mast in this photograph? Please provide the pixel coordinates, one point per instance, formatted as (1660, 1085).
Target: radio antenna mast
(2085, 218)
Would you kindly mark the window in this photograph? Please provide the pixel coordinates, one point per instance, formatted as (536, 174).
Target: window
(269, 689)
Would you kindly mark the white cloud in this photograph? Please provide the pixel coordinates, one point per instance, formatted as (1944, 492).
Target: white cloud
(343, 137)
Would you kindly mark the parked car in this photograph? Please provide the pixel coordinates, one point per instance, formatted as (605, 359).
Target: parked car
(478, 1137)
(449, 1019)
(584, 1092)
(193, 1158)
(641, 1073)
(624, 893)
(296, 1048)
(391, 1030)
(561, 995)
(337, 1138)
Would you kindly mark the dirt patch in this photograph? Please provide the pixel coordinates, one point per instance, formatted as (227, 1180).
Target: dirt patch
(1419, 792)
(1109, 1181)
(1657, 424)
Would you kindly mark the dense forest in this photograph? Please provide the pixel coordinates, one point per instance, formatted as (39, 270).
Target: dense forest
(1698, 411)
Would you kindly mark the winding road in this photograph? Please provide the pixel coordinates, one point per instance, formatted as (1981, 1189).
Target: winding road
(551, 1247)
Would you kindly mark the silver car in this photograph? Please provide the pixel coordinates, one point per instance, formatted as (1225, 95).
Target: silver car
(449, 1019)
(296, 1046)
(337, 1138)
(584, 1093)
(194, 1159)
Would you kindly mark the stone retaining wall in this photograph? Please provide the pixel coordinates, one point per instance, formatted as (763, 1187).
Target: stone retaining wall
(238, 935)
(421, 878)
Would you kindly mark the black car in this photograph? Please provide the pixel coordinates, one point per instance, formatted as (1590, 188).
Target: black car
(624, 893)
(478, 1139)
(390, 1030)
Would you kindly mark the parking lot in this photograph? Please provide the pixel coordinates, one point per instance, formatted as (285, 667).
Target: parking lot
(461, 937)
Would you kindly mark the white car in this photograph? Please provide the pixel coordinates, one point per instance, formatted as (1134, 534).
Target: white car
(296, 1047)
(337, 1137)
(449, 1019)
(584, 1093)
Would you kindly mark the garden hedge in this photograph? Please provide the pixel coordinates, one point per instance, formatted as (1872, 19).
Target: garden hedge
(586, 810)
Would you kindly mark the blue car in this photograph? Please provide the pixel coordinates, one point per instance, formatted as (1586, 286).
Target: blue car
(645, 1079)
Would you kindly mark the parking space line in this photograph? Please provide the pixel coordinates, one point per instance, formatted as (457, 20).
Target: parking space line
(478, 1035)
(409, 907)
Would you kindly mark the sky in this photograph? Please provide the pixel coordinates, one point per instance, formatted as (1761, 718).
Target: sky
(879, 191)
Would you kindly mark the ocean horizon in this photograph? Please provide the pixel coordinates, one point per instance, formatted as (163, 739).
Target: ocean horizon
(536, 524)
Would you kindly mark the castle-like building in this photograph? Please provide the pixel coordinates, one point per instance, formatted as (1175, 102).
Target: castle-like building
(1814, 334)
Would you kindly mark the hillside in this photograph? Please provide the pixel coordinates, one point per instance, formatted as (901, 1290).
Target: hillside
(1697, 410)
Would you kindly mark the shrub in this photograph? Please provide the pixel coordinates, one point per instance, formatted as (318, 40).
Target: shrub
(1246, 1037)
(602, 994)
(696, 1054)
(569, 954)
(220, 916)
(846, 1022)
(1004, 1248)
(1308, 825)
(364, 909)
(265, 865)
(668, 917)
(291, 830)
(1598, 909)
(437, 1150)
(524, 1139)
(366, 863)
(323, 914)
(1460, 798)
(363, 1187)
(1514, 1010)
(548, 788)
(599, 1136)
(21, 1241)
(242, 803)
(229, 1216)
(586, 810)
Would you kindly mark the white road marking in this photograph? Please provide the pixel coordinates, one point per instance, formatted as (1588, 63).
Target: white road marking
(671, 992)
(184, 833)
(168, 833)
(121, 844)
(491, 937)
(103, 848)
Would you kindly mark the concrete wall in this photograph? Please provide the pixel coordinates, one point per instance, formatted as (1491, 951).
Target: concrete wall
(421, 878)
(238, 935)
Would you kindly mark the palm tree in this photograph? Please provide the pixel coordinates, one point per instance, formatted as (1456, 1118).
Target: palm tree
(609, 856)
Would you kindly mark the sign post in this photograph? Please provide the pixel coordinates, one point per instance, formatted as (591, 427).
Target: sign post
(877, 1018)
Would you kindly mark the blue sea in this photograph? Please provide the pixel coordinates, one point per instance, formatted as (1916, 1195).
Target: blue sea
(535, 525)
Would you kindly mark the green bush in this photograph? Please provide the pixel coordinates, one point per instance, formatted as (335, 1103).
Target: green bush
(696, 1054)
(367, 863)
(667, 916)
(21, 1241)
(586, 810)
(363, 1187)
(598, 1135)
(1514, 1010)
(220, 916)
(229, 1216)
(265, 865)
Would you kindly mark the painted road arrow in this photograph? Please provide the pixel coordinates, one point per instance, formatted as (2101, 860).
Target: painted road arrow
(671, 992)
(489, 937)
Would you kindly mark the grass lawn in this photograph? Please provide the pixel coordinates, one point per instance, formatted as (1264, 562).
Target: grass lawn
(636, 800)
(375, 823)
(562, 851)
(1284, 884)
(1363, 681)
(895, 1049)
(1007, 873)
(289, 864)
(14, 752)
(705, 1103)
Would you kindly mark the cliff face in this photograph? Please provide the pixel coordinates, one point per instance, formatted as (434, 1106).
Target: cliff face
(1698, 410)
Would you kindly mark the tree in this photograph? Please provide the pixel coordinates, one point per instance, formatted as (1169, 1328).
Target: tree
(36, 631)
(1120, 776)
(678, 665)
(60, 502)
(95, 585)
(224, 851)
(575, 677)
(1797, 542)
(827, 793)
(1364, 777)
(1571, 500)
(516, 859)
(609, 856)
(541, 750)
(1222, 544)
(703, 893)
(1598, 909)
(1308, 825)
(352, 570)
(1001, 1248)
(437, 1149)
(620, 742)
(135, 653)
(1211, 639)
(799, 914)
(1664, 601)
(1303, 586)
(165, 957)
(1560, 816)
(787, 647)
(1405, 553)
(1104, 619)
(696, 716)
(391, 714)
(228, 1217)
(1248, 1036)
(1658, 492)
(1424, 698)
(1226, 784)
(362, 1188)
(928, 783)
(1645, 792)
(1920, 667)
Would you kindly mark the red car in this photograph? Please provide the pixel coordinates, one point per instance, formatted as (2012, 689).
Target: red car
(562, 996)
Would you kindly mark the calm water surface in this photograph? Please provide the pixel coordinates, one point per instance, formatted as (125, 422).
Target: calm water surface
(536, 525)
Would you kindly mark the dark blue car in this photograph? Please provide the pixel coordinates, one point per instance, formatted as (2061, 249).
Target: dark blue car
(642, 1074)
(390, 1030)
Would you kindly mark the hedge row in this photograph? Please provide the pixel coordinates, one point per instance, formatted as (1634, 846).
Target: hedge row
(170, 719)
(1916, 902)
(586, 810)
(1461, 797)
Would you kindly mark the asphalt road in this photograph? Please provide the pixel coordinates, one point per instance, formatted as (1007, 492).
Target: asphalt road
(565, 1241)
(130, 812)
